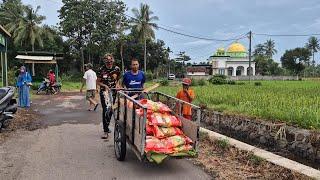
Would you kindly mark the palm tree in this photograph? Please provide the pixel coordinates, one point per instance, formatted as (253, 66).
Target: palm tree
(144, 25)
(259, 50)
(313, 46)
(10, 15)
(29, 30)
(270, 48)
(183, 58)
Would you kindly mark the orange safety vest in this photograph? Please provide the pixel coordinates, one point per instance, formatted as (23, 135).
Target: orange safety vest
(186, 109)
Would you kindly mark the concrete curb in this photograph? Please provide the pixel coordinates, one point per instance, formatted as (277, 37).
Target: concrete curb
(268, 156)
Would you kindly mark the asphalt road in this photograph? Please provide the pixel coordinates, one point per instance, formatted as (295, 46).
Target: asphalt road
(69, 147)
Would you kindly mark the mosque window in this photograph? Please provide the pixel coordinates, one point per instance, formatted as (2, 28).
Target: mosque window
(221, 71)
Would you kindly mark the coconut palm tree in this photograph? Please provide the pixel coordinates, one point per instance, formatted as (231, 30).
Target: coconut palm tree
(313, 46)
(10, 15)
(144, 25)
(270, 48)
(259, 50)
(29, 30)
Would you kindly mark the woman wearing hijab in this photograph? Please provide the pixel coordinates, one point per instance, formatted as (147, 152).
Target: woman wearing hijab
(23, 84)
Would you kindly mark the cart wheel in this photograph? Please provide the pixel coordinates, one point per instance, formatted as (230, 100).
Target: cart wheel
(120, 145)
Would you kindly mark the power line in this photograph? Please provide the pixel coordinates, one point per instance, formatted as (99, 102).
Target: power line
(198, 37)
(285, 35)
(193, 36)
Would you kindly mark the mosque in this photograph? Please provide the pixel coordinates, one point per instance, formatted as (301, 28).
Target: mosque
(232, 62)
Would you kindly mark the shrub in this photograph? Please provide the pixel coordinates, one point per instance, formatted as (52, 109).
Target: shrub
(202, 82)
(257, 83)
(241, 83)
(194, 82)
(149, 76)
(12, 77)
(218, 79)
(231, 82)
(77, 77)
(164, 82)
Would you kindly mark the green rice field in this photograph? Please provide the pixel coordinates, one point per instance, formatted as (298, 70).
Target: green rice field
(294, 102)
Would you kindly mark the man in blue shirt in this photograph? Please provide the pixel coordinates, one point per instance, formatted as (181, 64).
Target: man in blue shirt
(134, 79)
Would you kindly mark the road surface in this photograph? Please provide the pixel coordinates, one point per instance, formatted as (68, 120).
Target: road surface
(69, 147)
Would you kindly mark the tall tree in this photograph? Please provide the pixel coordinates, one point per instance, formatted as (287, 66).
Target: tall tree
(295, 59)
(270, 48)
(144, 25)
(29, 30)
(91, 26)
(24, 23)
(183, 58)
(313, 46)
(11, 12)
(74, 24)
(259, 50)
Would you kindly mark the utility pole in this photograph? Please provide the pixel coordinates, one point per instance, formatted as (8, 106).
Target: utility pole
(250, 37)
(169, 65)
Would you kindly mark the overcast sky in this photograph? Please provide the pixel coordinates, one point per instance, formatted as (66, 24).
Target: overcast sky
(221, 19)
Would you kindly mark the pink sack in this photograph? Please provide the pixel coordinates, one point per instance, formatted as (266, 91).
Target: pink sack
(163, 132)
(164, 120)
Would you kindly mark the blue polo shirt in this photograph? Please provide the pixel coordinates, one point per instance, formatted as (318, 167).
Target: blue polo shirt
(134, 80)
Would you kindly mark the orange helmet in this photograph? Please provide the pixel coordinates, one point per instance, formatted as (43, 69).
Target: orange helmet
(186, 81)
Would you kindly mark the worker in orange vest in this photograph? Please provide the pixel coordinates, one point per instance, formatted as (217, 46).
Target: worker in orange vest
(188, 95)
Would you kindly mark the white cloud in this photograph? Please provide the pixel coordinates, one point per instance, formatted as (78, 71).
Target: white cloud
(315, 26)
(311, 8)
(273, 3)
(197, 42)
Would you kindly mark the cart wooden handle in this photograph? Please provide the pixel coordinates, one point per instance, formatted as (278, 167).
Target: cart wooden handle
(145, 90)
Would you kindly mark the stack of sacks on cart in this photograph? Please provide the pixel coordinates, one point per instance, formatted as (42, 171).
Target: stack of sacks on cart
(164, 133)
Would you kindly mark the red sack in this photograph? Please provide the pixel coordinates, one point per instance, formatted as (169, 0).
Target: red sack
(164, 120)
(156, 145)
(175, 141)
(168, 145)
(149, 130)
(162, 132)
(155, 106)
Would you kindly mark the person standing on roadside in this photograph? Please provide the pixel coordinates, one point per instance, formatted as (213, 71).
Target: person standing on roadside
(186, 94)
(24, 81)
(90, 79)
(108, 77)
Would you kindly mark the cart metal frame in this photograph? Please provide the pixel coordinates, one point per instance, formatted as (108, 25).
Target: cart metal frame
(130, 128)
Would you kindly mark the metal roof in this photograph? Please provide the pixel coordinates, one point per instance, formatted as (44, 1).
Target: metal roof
(35, 58)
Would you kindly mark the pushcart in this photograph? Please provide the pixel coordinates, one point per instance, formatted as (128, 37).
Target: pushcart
(130, 127)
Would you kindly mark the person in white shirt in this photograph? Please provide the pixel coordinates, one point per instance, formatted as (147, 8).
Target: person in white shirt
(90, 78)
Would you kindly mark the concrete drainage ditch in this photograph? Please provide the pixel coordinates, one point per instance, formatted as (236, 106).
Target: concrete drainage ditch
(298, 144)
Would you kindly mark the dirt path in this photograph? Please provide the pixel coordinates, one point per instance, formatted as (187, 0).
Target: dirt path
(70, 148)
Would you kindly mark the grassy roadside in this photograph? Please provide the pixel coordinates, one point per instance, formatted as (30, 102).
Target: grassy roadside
(223, 161)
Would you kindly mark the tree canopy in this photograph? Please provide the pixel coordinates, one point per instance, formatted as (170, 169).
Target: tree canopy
(296, 59)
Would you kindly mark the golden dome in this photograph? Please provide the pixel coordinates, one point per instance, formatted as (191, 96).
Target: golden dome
(236, 47)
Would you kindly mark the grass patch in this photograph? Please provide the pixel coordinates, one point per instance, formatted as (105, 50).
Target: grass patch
(223, 143)
(256, 160)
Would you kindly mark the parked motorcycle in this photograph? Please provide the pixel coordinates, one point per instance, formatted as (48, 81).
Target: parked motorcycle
(8, 106)
(45, 86)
